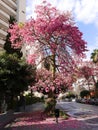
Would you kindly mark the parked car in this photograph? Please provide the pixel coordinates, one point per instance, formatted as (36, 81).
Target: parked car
(78, 100)
(91, 101)
(96, 101)
(83, 100)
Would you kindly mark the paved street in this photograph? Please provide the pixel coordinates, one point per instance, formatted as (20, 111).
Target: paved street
(73, 107)
(83, 117)
(83, 112)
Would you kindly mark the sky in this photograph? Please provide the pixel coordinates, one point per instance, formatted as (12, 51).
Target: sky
(85, 13)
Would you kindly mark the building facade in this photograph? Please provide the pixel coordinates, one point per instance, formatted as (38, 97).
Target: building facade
(15, 8)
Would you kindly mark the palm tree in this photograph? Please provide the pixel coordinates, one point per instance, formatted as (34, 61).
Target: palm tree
(94, 56)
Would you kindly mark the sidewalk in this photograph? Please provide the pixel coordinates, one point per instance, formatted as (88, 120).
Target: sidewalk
(31, 120)
(35, 123)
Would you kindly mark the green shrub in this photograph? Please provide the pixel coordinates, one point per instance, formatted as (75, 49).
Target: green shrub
(32, 100)
(50, 105)
(63, 115)
(84, 93)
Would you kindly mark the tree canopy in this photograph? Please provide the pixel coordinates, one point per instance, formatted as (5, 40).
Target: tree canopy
(53, 33)
(7, 46)
(94, 56)
(15, 74)
(84, 93)
(53, 37)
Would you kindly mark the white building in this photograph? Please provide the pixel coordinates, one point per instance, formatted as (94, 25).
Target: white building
(15, 8)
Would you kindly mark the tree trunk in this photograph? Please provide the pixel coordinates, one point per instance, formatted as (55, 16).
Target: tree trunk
(94, 86)
(51, 101)
(54, 67)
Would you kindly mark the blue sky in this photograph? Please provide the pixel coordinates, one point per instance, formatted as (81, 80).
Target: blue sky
(85, 14)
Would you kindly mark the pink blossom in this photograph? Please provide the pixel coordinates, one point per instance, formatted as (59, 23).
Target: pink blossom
(31, 59)
(52, 33)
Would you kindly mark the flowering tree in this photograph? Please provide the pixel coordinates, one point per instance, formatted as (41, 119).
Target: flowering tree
(7, 46)
(89, 71)
(45, 83)
(54, 35)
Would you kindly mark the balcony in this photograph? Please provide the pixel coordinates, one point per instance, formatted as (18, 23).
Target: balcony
(4, 25)
(2, 43)
(14, 1)
(10, 3)
(4, 17)
(4, 7)
(3, 34)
